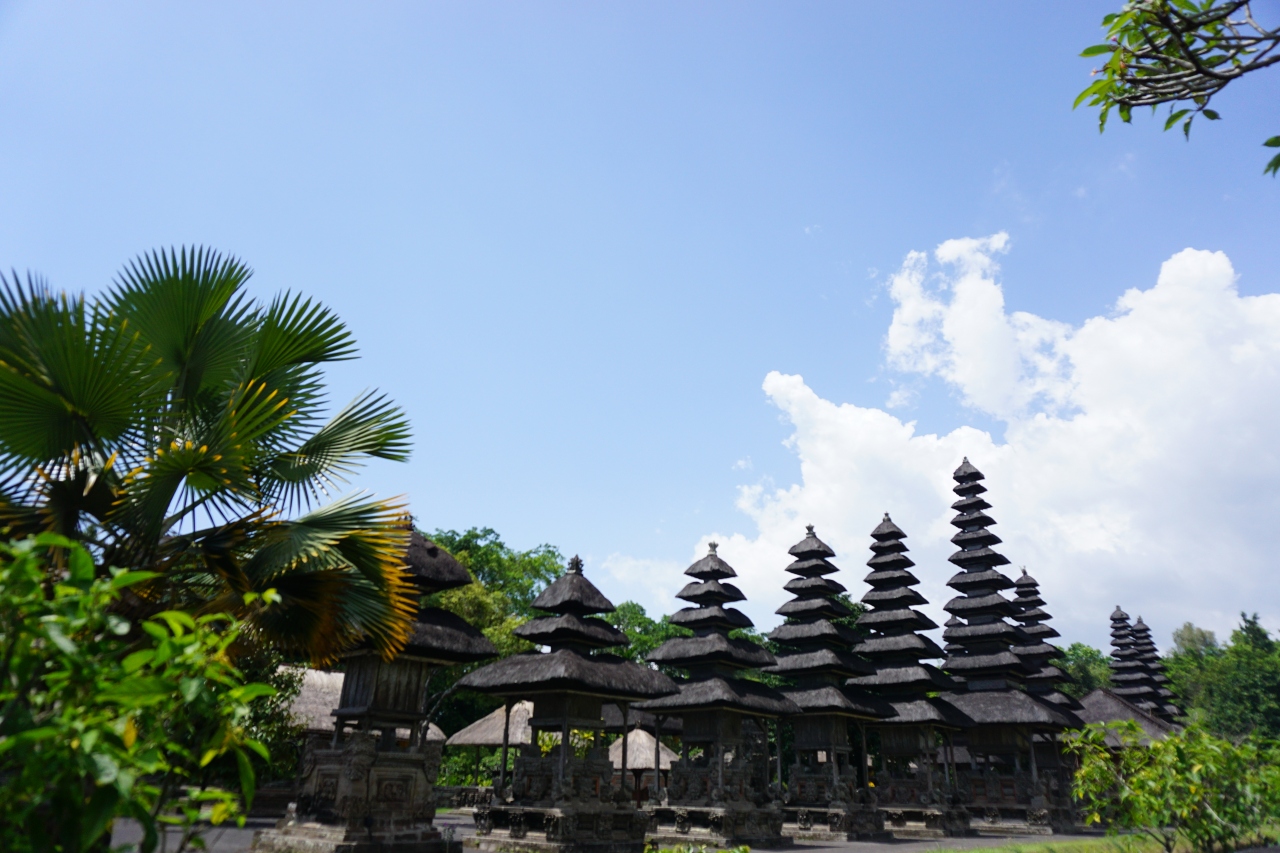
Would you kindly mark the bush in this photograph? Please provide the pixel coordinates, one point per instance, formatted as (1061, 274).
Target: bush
(1209, 792)
(101, 717)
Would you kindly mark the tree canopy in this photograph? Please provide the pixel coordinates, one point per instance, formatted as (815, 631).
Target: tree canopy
(1181, 53)
(1235, 688)
(174, 424)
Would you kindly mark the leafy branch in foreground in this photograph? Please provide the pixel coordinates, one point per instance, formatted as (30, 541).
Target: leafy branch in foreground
(99, 720)
(1209, 792)
(1181, 53)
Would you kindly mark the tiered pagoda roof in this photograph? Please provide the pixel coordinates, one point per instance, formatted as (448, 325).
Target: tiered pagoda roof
(437, 634)
(895, 646)
(818, 659)
(711, 657)
(573, 664)
(1036, 652)
(1149, 656)
(994, 675)
(1130, 677)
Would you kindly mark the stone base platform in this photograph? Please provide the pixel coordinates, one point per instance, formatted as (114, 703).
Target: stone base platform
(323, 838)
(715, 826)
(926, 822)
(1022, 820)
(826, 823)
(591, 827)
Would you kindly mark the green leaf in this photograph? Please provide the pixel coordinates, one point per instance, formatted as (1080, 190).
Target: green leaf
(60, 639)
(79, 566)
(135, 661)
(127, 579)
(1212, 115)
(1098, 49)
(1273, 142)
(97, 814)
(1273, 168)
(252, 691)
(247, 780)
(1173, 118)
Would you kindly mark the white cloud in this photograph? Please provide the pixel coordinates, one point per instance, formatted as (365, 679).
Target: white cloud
(1139, 465)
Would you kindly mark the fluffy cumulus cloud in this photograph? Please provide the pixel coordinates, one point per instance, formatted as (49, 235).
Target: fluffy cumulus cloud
(1138, 463)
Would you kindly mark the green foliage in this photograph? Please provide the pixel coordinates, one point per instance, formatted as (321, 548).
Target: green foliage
(1181, 53)
(169, 422)
(645, 634)
(1234, 689)
(1211, 793)
(1088, 667)
(501, 599)
(101, 717)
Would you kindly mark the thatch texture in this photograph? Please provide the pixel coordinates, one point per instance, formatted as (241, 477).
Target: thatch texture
(1011, 707)
(319, 695)
(715, 693)
(1104, 706)
(607, 676)
(487, 731)
(431, 567)
(573, 593)
(448, 638)
(640, 752)
(612, 717)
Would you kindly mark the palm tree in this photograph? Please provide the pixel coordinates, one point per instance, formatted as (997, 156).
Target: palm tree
(175, 425)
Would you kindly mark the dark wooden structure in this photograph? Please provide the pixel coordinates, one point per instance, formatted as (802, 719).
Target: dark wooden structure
(566, 800)
(1136, 673)
(826, 795)
(369, 786)
(718, 793)
(1006, 786)
(915, 784)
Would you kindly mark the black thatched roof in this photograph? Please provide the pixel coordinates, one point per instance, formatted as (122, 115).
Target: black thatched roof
(447, 638)
(710, 592)
(846, 702)
(1104, 706)
(829, 633)
(901, 682)
(837, 663)
(810, 547)
(432, 568)
(715, 693)
(711, 567)
(573, 593)
(712, 648)
(715, 616)
(588, 632)
(928, 710)
(979, 650)
(566, 670)
(1011, 707)
(1143, 658)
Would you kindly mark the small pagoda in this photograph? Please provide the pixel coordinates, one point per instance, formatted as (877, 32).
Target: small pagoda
(1149, 655)
(1036, 652)
(1006, 786)
(718, 793)
(1136, 672)
(826, 797)
(566, 800)
(915, 779)
(370, 785)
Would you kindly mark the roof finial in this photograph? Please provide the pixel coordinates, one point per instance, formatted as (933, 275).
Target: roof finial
(575, 565)
(966, 459)
(886, 516)
(809, 528)
(713, 546)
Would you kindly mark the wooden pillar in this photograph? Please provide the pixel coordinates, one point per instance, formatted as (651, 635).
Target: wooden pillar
(657, 754)
(476, 774)
(626, 746)
(1031, 741)
(506, 742)
(777, 743)
(564, 750)
(863, 759)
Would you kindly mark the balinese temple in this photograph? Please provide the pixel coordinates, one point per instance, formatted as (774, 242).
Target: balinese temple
(1036, 652)
(827, 797)
(1017, 779)
(1149, 656)
(373, 781)
(915, 783)
(1131, 679)
(566, 800)
(718, 793)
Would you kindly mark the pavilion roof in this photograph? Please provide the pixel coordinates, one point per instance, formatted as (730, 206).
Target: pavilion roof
(487, 731)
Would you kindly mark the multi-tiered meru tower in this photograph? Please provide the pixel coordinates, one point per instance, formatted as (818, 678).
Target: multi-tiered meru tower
(565, 802)
(1136, 672)
(1036, 652)
(826, 792)
(915, 779)
(718, 793)
(1010, 784)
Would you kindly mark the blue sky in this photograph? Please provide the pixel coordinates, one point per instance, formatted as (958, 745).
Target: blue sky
(573, 239)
